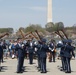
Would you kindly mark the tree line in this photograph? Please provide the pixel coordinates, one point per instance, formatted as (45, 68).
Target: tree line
(6, 30)
(50, 27)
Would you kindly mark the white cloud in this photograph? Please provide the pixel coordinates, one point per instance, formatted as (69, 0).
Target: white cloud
(36, 8)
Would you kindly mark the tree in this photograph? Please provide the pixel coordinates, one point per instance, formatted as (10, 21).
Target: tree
(60, 27)
(74, 28)
(8, 30)
(57, 27)
(32, 28)
(49, 26)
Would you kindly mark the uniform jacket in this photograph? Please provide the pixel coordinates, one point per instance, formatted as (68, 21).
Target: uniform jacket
(43, 50)
(1, 52)
(20, 49)
(62, 46)
(69, 51)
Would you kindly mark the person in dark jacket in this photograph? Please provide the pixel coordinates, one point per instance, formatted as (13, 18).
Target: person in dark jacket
(21, 55)
(38, 47)
(31, 51)
(52, 50)
(68, 53)
(1, 55)
(63, 60)
(43, 55)
(5, 51)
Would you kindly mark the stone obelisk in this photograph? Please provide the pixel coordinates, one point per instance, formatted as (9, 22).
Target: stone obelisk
(49, 13)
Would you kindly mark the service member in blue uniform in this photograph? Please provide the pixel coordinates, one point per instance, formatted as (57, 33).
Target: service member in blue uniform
(68, 53)
(31, 51)
(21, 55)
(43, 55)
(62, 45)
(38, 50)
(1, 55)
(1, 52)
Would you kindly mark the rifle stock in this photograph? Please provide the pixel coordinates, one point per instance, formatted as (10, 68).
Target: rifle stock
(38, 35)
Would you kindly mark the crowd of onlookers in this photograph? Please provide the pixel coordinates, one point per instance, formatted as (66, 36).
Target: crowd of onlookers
(8, 49)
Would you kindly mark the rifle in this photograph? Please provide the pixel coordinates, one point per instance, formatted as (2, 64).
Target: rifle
(1, 36)
(40, 38)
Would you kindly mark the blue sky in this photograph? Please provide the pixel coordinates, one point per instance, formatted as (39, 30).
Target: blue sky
(21, 13)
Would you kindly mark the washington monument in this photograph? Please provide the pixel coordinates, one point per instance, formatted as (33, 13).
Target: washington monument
(49, 13)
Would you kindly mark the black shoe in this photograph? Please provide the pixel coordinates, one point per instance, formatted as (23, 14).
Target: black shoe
(22, 70)
(68, 72)
(19, 72)
(0, 69)
(45, 71)
(61, 69)
(38, 67)
(30, 63)
(42, 72)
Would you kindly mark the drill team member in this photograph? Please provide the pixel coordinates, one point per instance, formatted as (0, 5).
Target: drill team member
(31, 51)
(1, 55)
(21, 55)
(68, 53)
(62, 46)
(43, 55)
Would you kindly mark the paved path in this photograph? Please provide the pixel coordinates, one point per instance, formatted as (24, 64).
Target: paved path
(10, 65)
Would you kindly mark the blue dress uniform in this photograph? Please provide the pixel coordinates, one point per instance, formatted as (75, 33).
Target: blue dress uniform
(62, 46)
(43, 55)
(38, 46)
(68, 53)
(21, 55)
(31, 52)
(1, 54)
(52, 52)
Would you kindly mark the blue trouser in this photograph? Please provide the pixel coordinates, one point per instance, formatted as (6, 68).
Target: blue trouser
(1, 58)
(39, 61)
(31, 58)
(63, 60)
(0, 63)
(43, 64)
(20, 64)
(68, 67)
(53, 56)
(10, 53)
